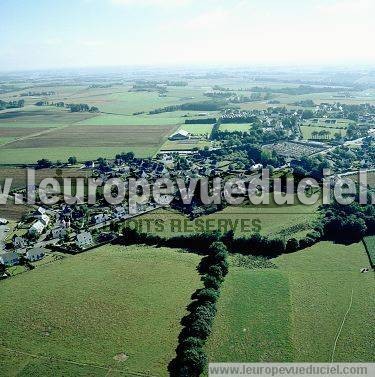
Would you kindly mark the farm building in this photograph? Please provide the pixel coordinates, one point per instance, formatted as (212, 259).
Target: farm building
(9, 259)
(180, 135)
(35, 254)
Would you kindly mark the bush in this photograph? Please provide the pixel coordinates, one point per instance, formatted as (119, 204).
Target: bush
(292, 245)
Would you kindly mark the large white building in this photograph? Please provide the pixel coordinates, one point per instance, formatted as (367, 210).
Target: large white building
(180, 135)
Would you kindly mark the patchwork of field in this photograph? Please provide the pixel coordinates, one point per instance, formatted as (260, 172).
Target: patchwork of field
(87, 142)
(41, 116)
(121, 106)
(294, 313)
(96, 136)
(106, 312)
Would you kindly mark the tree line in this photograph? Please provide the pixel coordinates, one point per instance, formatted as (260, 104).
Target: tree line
(191, 359)
(193, 106)
(12, 104)
(73, 107)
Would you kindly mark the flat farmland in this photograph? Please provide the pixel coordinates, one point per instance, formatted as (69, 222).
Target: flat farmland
(184, 145)
(294, 312)
(19, 175)
(308, 130)
(232, 127)
(107, 312)
(271, 220)
(87, 142)
(42, 116)
(198, 129)
(12, 211)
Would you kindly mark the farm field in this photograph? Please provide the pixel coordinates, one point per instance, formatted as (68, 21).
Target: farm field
(340, 126)
(197, 129)
(307, 132)
(281, 221)
(232, 127)
(13, 212)
(370, 178)
(86, 142)
(294, 312)
(19, 175)
(184, 145)
(92, 311)
(35, 132)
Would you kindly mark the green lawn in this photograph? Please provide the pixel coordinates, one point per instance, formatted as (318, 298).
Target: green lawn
(89, 308)
(294, 313)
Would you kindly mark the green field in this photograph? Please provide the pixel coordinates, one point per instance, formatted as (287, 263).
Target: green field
(197, 129)
(308, 130)
(73, 317)
(339, 127)
(294, 313)
(282, 221)
(232, 127)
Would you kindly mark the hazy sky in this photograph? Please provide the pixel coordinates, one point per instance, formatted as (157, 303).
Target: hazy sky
(80, 33)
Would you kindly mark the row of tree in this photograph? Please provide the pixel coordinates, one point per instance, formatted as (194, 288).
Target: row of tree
(12, 104)
(193, 106)
(191, 359)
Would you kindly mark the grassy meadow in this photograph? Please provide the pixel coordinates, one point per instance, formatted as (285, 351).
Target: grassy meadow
(294, 312)
(106, 312)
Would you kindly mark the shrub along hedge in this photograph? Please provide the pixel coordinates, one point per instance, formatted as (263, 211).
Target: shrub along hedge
(253, 245)
(191, 360)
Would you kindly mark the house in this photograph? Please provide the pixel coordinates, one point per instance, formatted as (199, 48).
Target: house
(180, 135)
(101, 218)
(33, 255)
(3, 221)
(37, 228)
(19, 243)
(119, 212)
(84, 239)
(45, 219)
(9, 259)
(40, 212)
(58, 232)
